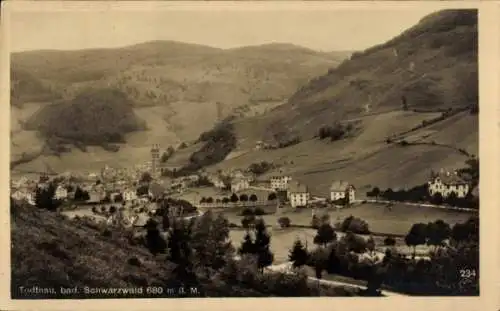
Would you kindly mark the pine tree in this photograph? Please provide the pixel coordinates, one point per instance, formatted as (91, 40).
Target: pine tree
(325, 235)
(247, 246)
(39, 198)
(78, 194)
(165, 222)
(210, 242)
(370, 244)
(180, 253)
(224, 249)
(44, 198)
(176, 242)
(155, 243)
(262, 243)
(298, 254)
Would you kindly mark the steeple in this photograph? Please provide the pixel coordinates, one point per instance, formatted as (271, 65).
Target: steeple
(155, 156)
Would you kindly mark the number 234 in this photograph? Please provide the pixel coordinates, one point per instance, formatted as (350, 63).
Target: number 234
(467, 273)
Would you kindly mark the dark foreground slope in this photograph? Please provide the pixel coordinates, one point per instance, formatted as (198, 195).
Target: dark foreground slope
(51, 251)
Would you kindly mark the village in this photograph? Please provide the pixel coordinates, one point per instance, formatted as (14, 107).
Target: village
(134, 193)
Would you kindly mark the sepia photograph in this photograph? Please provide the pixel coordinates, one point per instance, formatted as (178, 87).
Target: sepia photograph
(188, 153)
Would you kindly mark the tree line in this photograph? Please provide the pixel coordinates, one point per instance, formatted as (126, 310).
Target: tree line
(335, 132)
(419, 194)
(234, 198)
(217, 144)
(455, 250)
(201, 248)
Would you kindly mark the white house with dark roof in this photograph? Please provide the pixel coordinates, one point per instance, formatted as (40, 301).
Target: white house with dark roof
(339, 190)
(298, 194)
(446, 183)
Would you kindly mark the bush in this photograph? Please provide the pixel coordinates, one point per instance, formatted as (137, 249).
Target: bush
(336, 132)
(218, 143)
(389, 241)
(284, 222)
(247, 221)
(286, 139)
(260, 168)
(234, 198)
(134, 261)
(107, 233)
(355, 225)
(272, 196)
(315, 222)
(355, 243)
(259, 211)
(247, 212)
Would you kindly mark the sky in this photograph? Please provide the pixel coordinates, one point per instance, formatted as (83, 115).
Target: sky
(323, 30)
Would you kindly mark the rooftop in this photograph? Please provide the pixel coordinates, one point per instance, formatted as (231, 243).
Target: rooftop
(448, 178)
(339, 186)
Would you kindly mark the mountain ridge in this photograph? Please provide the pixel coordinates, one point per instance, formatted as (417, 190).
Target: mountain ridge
(412, 102)
(430, 65)
(170, 83)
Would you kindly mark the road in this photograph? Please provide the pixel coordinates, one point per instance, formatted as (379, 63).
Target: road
(421, 204)
(286, 268)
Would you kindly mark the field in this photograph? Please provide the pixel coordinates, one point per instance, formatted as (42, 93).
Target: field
(457, 131)
(397, 221)
(366, 160)
(282, 241)
(21, 140)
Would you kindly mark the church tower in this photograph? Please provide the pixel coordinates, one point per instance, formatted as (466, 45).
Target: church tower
(155, 158)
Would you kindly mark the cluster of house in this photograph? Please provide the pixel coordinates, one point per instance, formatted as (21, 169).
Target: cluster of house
(299, 195)
(236, 180)
(109, 183)
(446, 183)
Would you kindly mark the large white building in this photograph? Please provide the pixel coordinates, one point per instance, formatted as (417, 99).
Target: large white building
(446, 183)
(341, 189)
(280, 182)
(298, 194)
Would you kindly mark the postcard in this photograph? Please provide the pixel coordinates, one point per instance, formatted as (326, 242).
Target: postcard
(250, 154)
